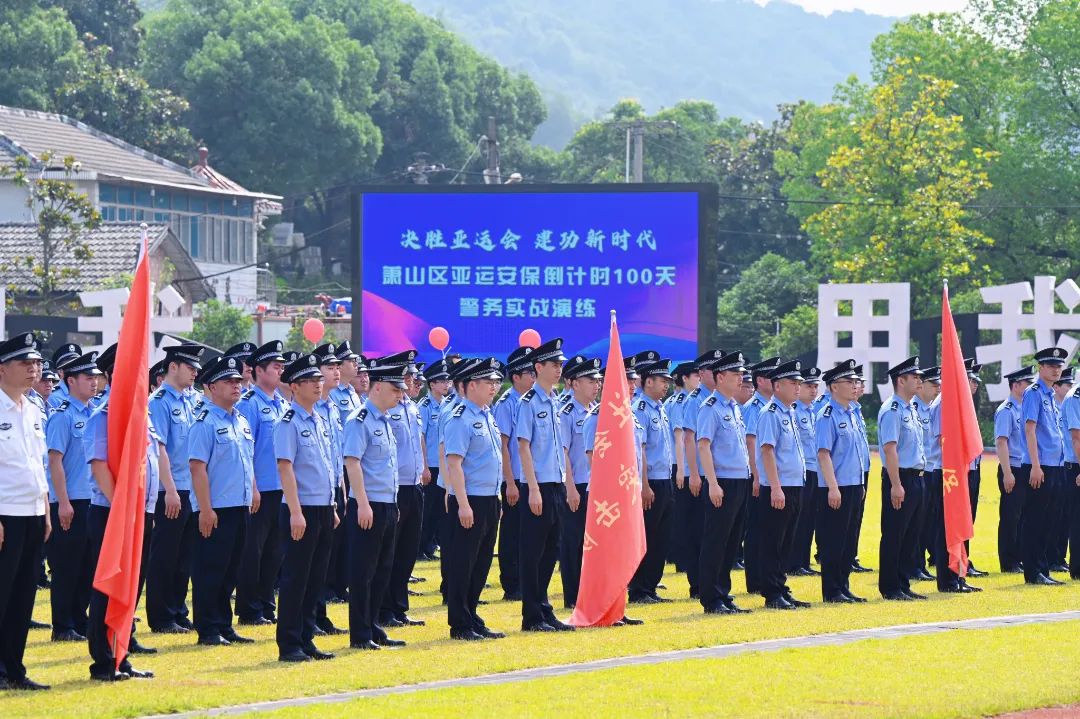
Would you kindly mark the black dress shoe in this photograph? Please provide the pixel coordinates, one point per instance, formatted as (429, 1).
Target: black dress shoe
(68, 635)
(138, 673)
(719, 608)
(254, 622)
(661, 600)
(110, 677)
(854, 598)
(951, 589)
(1013, 569)
(25, 684)
(812, 572)
(488, 633)
(537, 627)
(185, 623)
(897, 597)
(973, 572)
(967, 588)
(318, 631)
(170, 629)
(778, 603)
(797, 603)
(388, 642)
(215, 640)
(408, 621)
(135, 648)
(233, 638)
(294, 656)
(1042, 580)
(859, 568)
(465, 635)
(511, 596)
(1056, 582)
(734, 608)
(631, 622)
(643, 599)
(392, 622)
(738, 566)
(1055, 568)
(839, 599)
(557, 625)
(39, 625)
(800, 572)
(365, 644)
(914, 595)
(328, 627)
(414, 593)
(417, 580)
(317, 654)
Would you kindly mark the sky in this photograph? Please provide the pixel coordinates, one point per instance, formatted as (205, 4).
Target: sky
(891, 8)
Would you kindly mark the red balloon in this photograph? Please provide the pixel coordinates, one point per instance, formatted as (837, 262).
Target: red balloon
(439, 338)
(529, 338)
(314, 329)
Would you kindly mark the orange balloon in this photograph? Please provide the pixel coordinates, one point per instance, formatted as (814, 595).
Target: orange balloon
(439, 338)
(529, 338)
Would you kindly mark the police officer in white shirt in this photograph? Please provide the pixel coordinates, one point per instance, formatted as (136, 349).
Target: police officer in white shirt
(24, 504)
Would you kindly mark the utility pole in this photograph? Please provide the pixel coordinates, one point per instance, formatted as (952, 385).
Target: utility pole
(635, 136)
(491, 172)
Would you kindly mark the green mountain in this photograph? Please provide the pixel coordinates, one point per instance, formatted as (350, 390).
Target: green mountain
(587, 54)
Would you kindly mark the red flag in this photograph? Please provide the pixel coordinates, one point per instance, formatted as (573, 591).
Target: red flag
(614, 524)
(960, 441)
(117, 574)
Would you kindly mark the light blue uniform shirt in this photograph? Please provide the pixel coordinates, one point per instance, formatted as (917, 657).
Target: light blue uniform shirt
(1070, 420)
(369, 438)
(538, 423)
(58, 395)
(572, 432)
(1039, 407)
(328, 410)
(673, 405)
(263, 413)
(472, 434)
(1008, 424)
(897, 422)
(304, 439)
(505, 415)
(752, 410)
(807, 419)
(223, 440)
(688, 420)
(96, 447)
(429, 425)
(345, 399)
(863, 436)
(64, 433)
(933, 434)
(838, 433)
(659, 440)
(922, 413)
(173, 413)
(720, 420)
(405, 422)
(449, 404)
(777, 427)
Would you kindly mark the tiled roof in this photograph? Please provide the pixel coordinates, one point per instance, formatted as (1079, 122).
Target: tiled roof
(114, 248)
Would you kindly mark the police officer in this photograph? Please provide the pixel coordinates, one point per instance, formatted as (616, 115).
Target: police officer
(840, 483)
(449, 404)
(752, 409)
(43, 388)
(1058, 544)
(686, 381)
(63, 355)
(24, 500)
(692, 501)
(96, 447)
(657, 493)
(1070, 499)
(262, 406)
(860, 389)
(371, 456)
(172, 409)
(361, 382)
(438, 381)
(903, 460)
(157, 375)
(721, 437)
(222, 460)
(1042, 460)
(242, 352)
(522, 377)
(582, 378)
(343, 394)
(69, 496)
(1009, 442)
(781, 476)
(474, 471)
(347, 401)
(974, 472)
(543, 469)
(302, 445)
(926, 518)
(798, 561)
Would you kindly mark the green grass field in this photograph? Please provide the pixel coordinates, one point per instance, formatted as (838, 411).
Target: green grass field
(899, 678)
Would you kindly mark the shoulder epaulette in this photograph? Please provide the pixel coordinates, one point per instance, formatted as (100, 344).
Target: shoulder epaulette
(756, 402)
(503, 396)
(595, 409)
(287, 417)
(527, 397)
(710, 401)
(202, 415)
(62, 407)
(568, 408)
(1076, 393)
(248, 395)
(99, 395)
(361, 415)
(680, 398)
(773, 406)
(459, 410)
(425, 401)
(696, 392)
(641, 406)
(160, 393)
(827, 412)
(895, 405)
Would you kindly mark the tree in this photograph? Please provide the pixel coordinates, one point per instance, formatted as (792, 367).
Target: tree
(768, 290)
(219, 325)
(39, 48)
(296, 340)
(61, 214)
(109, 24)
(899, 193)
(798, 334)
